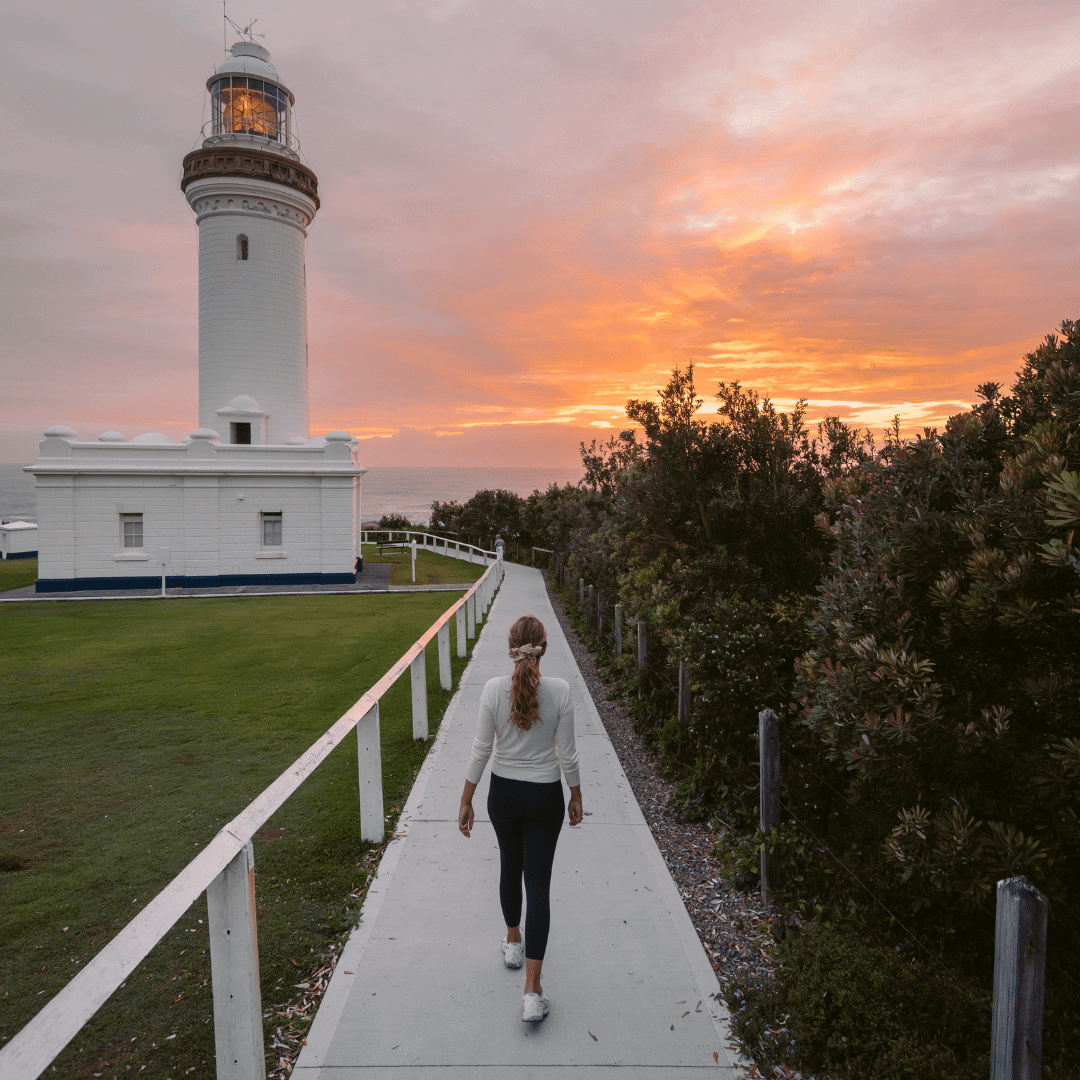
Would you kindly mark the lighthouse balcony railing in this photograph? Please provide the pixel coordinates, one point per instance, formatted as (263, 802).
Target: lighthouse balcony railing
(281, 142)
(441, 545)
(224, 870)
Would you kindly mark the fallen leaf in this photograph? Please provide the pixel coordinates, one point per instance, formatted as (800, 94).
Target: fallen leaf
(593, 1037)
(672, 1027)
(698, 1009)
(716, 1057)
(687, 1013)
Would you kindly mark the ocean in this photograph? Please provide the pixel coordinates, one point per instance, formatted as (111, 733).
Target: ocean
(408, 491)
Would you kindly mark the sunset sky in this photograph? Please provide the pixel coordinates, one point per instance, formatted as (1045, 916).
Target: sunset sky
(532, 211)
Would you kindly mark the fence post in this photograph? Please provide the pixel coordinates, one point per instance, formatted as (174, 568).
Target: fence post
(418, 675)
(581, 592)
(684, 693)
(414, 560)
(369, 763)
(618, 629)
(462, 643)
(1019, 968)
(769, 794)
(445, 681)
(479, 603)
(588, 611)
(599, 618)
(470, 615)
(234, 970)
(642, 656)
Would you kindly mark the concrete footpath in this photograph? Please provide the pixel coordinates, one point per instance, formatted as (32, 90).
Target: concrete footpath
(421, 990)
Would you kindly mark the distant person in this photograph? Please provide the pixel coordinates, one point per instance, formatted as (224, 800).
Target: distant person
(500, 547)
(529, 721)
(358, 566)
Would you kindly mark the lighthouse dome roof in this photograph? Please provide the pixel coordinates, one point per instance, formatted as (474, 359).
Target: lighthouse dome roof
(249, 58)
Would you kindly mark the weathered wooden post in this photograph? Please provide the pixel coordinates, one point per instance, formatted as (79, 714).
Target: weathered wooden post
(462, 641)
(418, 676)
(234, 970)
(588, 613)
(369, 764)
(445, 680)
(414, 560)
(470, 609)
(581, 592)
(618, 629)
(1019, 969)
(599, 617)
(684, 693)
(769, 794)
(642, 657)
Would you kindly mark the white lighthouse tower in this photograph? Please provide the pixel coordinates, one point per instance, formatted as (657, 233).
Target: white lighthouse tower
(249, 497)
(254, 201)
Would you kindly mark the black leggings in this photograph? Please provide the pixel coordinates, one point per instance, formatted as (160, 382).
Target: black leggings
(527, 819)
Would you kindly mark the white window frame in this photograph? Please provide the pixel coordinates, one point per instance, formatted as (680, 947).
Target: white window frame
(271, 517)
(133, 520)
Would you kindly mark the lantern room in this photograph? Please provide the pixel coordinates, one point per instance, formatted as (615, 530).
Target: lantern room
(248, 101)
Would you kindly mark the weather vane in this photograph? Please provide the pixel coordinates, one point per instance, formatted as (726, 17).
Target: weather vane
(243, 31)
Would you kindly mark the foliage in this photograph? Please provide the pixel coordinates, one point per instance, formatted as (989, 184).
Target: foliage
(395, 523)
(944, 678)
(740, 655)
(489, 513)
(843, 1006)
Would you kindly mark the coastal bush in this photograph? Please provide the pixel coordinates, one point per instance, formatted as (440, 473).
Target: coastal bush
(843, 1006)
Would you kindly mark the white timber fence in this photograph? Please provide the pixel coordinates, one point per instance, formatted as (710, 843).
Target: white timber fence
(441, 545)
(225, 871)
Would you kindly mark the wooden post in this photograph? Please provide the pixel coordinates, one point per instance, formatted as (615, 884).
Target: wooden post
(1019, 968)
(369, 763)
(642, 656)
(769, 794)
(418, 675)
(588, 612)
(581, 592)
(234, 970)
(599, 617)
(479, 594)
(684, 693)
(618, 629)
(414, 560)
(445, 680)
(462, 642)
(470, 612)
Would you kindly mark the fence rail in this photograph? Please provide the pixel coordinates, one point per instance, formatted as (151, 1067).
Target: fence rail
(225, 867)
(455, 549)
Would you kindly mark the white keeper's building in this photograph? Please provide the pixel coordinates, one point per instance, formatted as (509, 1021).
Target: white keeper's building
(249, 497)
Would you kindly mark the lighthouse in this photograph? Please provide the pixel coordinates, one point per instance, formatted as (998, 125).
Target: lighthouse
(249, 497)
(254, 200)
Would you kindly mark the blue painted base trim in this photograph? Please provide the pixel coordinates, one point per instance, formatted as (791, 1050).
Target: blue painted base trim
(21, 555)
(186, 581)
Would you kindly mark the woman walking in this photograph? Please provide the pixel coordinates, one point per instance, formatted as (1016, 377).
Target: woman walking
(526, 727)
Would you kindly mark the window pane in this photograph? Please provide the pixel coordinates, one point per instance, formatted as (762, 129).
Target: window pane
(132, 530)
(271, 528)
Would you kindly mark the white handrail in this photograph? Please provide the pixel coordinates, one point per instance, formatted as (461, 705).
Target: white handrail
(423, 539)
(38, 1043)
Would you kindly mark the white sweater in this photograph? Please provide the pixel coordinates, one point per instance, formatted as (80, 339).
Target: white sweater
(535, 755)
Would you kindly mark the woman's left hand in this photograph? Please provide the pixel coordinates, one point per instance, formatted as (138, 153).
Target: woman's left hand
(465, 818)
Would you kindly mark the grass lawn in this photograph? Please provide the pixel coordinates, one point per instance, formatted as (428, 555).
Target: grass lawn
(132, 732)
(15, 573)
(431, 569)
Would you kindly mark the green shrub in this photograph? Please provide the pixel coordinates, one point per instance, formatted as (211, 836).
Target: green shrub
(740, 655)
(841, 1006)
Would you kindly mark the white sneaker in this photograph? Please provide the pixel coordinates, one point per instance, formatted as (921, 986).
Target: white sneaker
(534, 1007)
(513, 953)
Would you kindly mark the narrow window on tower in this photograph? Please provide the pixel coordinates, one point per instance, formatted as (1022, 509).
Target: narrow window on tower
(241, 434)
(271, 529)
(131, 535)
(242, 247)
